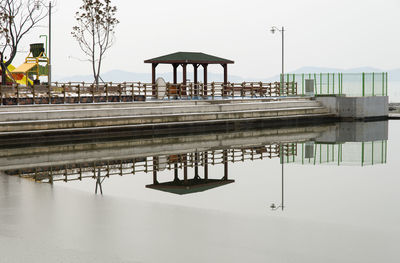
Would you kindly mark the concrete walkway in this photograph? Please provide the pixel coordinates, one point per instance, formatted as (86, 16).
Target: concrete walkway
(157, 114)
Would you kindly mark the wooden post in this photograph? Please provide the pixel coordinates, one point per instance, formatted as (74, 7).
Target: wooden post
(205, 165)
(225, 158)
(33, 94)
(196, 88)
(92, 93)
(63, 86)
(196, 164)
(106, 86)
(184, 77)
(49, 94)
(17, 95)
(79, 92)
(185, 170)
(205, 78)
(51, 175)
(225, 66)
(153, 78)
(80, 172)
(175, 66)
(176, 172)
(155, 164)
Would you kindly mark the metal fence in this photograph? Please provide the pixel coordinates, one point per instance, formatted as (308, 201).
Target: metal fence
(349, 153)
(349, 84)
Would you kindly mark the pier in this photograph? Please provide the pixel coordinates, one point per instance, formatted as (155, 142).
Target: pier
(160, 105)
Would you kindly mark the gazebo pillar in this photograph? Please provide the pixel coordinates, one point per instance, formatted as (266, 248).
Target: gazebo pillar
(225, 66)
(184, 77)
(153, 77)
(205, 78)
(155, 166)
(176, 178)
(175, 66)
(205, 158)
(196, 88)
(185, 169)
(196, 166)
(225, 159)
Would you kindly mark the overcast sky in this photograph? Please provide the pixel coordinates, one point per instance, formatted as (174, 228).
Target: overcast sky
(340, 33)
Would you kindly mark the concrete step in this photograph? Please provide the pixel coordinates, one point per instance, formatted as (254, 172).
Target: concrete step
(242, 115)
(139, 104)
(77, 113)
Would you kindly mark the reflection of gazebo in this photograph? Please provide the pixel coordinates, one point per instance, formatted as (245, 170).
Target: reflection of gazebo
(188, 186)
(183, 59)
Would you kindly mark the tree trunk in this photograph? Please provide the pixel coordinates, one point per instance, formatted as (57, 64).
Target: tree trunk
(3, 71)
(12, 56)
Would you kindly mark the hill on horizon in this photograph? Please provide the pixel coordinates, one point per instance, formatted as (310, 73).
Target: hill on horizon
(121, 75)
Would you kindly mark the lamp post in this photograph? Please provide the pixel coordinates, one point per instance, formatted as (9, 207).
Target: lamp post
(282, 30)
(45, 36)
(37, 4)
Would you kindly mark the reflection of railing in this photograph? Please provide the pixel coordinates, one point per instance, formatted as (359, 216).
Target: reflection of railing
(349, 84)
(81, 92)
(350, 153)
(79, 171)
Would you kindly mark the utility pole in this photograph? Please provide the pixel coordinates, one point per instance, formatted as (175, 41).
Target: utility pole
(49, 55)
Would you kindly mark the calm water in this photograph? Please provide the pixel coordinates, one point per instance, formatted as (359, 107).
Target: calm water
(339, 188)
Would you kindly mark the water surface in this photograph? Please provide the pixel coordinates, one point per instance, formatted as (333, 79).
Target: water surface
(340, 199)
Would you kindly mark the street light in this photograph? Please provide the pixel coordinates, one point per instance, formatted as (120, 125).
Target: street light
(48, 52)
(282, 30)
(46, 41)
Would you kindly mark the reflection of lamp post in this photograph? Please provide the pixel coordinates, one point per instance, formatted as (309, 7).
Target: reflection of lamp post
(282, 206)
(48, 52)
(282, 30)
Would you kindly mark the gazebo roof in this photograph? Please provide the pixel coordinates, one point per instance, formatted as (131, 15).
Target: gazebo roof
(189, 58)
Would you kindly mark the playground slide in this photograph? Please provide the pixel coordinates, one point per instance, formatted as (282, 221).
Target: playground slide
(20, 78)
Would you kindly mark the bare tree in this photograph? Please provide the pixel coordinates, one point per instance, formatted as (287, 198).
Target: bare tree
(17, 18)
(95, 31)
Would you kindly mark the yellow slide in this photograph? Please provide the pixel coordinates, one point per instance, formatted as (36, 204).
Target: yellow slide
(20, 78)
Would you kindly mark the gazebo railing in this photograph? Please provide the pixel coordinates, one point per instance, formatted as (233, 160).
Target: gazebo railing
(81, 92)
(234, 90)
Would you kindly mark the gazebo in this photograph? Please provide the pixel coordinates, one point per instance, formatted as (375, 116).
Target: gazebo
(185, 58)
(194, 185)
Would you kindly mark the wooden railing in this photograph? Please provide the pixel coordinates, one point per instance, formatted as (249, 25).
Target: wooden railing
(81, 92)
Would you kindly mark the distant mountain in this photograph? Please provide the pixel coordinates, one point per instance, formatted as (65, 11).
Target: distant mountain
(120, 75)
(394, 75)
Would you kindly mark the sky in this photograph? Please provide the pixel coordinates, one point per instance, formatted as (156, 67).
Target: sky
(341, 34)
